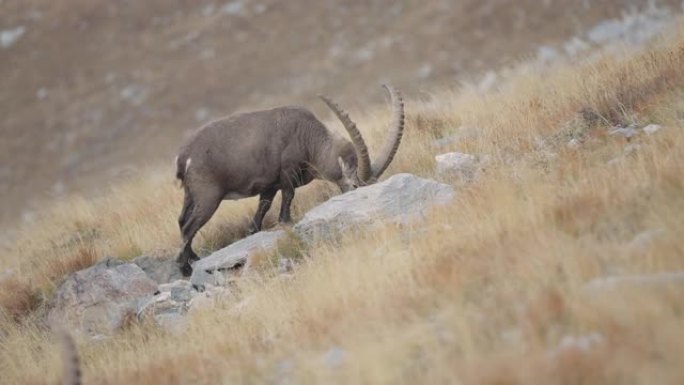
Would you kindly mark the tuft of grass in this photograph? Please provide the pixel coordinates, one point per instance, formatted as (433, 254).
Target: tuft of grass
(17, 299)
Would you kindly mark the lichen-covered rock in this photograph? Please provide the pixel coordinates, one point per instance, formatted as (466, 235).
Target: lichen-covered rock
(209, 298)
(99, 299)
(174, 301)
(627, 132)
(169, 306)
(652, 129)
(400, 199)
(459, 165)
(218, 268)
(160, 270)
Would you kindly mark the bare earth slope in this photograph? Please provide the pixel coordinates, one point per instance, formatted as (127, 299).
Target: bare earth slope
(93, 89)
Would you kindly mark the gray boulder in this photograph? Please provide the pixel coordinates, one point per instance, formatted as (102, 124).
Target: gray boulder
(652, 129)
(459, 165)
(400, 199)
(100, 299)
(219, 268)
(161, 270)
(169, 306)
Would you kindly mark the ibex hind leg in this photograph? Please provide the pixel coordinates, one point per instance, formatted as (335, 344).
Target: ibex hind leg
(203, 207)
(187, 209)
(288, 194)
(289, 179)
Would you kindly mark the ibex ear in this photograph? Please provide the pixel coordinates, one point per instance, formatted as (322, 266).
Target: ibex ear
(343, 166)
(346, 170)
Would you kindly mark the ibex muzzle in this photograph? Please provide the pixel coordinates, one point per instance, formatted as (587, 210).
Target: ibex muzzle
(262, 152)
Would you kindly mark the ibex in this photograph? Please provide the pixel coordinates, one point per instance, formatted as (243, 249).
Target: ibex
(259, 153)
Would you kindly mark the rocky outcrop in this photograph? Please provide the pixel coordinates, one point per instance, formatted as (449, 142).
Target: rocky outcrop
(168, 307)
(161, 270)
(220, 267)
(100, 299)
(459, 165)
(633, 130)
(399, 199)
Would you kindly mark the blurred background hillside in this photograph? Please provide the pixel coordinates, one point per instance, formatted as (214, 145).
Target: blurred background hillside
(91, 90)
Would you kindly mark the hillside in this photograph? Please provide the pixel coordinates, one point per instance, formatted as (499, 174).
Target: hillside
(93, 90)
(558, 262)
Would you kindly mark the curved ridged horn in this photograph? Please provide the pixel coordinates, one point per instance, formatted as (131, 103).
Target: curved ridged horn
(364, 168)
(396, 130)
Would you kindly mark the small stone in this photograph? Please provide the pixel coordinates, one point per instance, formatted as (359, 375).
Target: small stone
(42, 93)
(547, 54)
(652, 129)
(133, 93)
(425, 71)
(201, 114)
(583, 344)
(260, 8)
(208, 9)
(576, 46)
(457, 164)
(233, 8)
(285, 265)
(631, 149)
(488, 81)
(574, 144)
(9, 37)
(642, 241)
(334, 357)
(626, 132)
(208, 298)
(614, 161)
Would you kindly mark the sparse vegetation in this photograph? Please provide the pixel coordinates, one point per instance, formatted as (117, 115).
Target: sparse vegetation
(490, 292)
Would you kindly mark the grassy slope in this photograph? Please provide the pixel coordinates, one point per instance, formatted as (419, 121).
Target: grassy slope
(479, 293)
(174, 60)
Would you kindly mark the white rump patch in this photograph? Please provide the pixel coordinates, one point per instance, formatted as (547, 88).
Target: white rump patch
(187, 164)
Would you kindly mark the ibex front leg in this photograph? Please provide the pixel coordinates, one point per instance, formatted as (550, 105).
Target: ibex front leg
(287, 191)
(265, 200)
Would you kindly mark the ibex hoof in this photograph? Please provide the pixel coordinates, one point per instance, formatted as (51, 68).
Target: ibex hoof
(186, 270)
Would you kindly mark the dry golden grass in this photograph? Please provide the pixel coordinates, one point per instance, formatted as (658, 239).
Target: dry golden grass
(483, 291)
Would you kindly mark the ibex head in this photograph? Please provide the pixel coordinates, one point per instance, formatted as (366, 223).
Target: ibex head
(355, 168)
